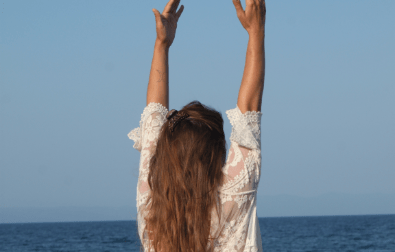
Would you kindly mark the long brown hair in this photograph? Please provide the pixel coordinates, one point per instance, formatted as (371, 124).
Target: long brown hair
(185, 172)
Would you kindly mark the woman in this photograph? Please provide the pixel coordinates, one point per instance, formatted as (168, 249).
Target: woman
(189, 196)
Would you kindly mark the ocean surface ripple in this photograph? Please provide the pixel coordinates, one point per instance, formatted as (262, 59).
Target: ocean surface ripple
(308, 234)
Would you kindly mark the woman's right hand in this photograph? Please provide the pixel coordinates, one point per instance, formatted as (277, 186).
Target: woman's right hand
(166, 23)
(254, 16)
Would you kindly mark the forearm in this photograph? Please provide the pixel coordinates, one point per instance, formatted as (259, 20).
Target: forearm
(158, 85)
(251, 89)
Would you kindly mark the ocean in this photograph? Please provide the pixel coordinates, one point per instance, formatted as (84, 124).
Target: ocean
(280, 234)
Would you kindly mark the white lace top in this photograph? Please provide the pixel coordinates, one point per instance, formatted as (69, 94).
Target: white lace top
(238, 195)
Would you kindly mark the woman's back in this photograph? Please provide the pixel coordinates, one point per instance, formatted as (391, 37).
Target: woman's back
(237, 227)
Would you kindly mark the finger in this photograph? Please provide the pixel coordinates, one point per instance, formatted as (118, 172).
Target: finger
(179, 12)
(239, 8)
(174, 7)
(263, 7)
(250, 2)
(158, 18)
(169, 6)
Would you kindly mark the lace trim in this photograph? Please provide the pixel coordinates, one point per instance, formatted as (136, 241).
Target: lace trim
(136, 133)
(245, 128)
(153, 107)
(135, 136)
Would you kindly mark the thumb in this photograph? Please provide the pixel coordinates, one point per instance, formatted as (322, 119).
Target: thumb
(239, 8)
(157, 15)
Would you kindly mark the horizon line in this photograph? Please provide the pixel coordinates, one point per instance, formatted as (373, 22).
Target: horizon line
(266, 217)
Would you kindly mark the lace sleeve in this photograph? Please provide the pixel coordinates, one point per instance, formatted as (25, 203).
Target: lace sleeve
(145, 138)
(239, 225)
(154, 114)
(243, 163)
(245, 128)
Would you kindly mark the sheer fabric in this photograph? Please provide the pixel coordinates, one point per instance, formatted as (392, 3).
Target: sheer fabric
(238, 224)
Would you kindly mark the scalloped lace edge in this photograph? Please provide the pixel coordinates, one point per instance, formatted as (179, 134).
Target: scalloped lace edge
(151, 108)
(240, 123)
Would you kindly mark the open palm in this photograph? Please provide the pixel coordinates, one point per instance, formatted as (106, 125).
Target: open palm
(166, 23)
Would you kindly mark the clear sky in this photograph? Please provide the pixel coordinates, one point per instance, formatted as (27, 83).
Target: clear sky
(73, 77)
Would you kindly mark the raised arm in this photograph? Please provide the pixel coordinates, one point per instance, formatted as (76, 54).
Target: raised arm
(166, 25)
(253, 20)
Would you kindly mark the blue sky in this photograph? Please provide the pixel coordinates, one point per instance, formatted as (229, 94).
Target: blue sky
(73, 77)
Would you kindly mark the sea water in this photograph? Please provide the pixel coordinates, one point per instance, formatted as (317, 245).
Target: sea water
(328, 233)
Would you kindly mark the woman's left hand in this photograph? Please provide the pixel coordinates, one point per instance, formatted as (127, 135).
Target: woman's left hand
(166, 23)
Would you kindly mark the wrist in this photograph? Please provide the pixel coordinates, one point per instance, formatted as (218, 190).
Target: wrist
(257, 40)
(257, 35)
(161, 45)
